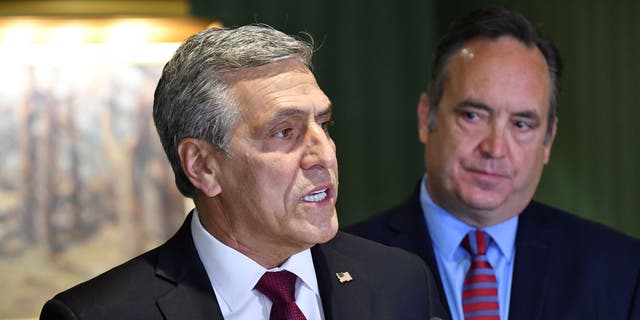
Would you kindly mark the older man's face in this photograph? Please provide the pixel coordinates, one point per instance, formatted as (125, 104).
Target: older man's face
(280, 182)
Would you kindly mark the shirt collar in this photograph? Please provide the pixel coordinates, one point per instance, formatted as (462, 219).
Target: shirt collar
(448, 231)
(234, 275)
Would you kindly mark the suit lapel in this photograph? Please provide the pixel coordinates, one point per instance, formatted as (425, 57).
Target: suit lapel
(413, 235)
(192, 297)
(531, 266)
(188, 302)
(349, 300)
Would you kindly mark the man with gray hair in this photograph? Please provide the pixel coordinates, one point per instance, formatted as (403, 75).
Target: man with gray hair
(245, 127)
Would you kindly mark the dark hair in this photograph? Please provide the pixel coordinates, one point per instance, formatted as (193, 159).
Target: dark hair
(492, 23)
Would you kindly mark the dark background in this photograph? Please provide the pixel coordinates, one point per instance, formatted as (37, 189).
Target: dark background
(373, 60)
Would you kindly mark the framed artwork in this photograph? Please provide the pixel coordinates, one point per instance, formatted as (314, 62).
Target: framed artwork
(84, 183)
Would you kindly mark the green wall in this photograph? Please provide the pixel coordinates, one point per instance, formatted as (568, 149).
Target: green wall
(373, 62)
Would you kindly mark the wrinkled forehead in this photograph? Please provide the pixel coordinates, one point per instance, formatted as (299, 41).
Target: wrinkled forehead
(487, 58)
(502, 69)
(262, 91)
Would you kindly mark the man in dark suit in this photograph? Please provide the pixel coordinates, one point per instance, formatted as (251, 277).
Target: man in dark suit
(488, 124)
(245, 127)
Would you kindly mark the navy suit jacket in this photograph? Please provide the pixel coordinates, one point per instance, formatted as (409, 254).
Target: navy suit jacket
(565, 267)
(170, 282)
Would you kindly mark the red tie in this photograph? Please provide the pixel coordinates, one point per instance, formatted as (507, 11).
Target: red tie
(280, 287)
(480, 289)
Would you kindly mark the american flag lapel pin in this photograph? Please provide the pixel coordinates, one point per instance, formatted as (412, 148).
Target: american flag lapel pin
(344, 277)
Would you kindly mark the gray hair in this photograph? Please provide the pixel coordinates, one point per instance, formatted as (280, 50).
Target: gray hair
(192, 98)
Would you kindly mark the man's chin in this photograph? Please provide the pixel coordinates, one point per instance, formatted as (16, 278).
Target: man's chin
(483, 199)
(325, 234)
(483, 205)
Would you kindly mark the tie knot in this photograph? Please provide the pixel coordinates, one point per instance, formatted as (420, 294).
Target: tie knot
(476, 242)
(278, 286)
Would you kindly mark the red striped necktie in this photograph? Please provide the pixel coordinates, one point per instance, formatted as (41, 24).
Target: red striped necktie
(280, 288)
(480, 289)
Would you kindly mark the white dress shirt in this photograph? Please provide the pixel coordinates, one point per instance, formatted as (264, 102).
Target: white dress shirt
(233, 277)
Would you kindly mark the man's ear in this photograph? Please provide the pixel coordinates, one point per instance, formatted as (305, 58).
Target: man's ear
(199, 165)
(423, 118)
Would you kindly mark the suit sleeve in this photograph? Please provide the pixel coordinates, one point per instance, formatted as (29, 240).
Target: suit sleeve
(57, 310)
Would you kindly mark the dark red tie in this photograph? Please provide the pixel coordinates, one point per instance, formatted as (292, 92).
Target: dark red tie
(480, 289)
(280, 288)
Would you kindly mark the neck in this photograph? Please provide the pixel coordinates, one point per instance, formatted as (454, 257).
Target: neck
(221, 226)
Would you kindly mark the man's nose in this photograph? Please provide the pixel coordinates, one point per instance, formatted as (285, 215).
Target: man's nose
(494, 143)
(320, 149)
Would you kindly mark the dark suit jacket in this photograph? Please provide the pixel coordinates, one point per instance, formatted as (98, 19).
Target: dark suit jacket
(170, 282)
(565, 267)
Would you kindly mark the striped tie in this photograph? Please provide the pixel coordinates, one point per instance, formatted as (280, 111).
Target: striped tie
(480, 289)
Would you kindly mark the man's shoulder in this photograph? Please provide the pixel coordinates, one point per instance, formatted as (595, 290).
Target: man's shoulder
(579, 261)
(577, 231)
(128, 290)
(375, 227)
(121, 286)
(380, 226)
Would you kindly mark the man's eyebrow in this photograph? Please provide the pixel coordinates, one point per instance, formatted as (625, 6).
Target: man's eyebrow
(473, 104)
(326, 112)
(288, 112)
(529, 114)
(296, 112)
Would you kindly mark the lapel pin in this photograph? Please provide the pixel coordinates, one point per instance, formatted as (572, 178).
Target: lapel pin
(344, 277)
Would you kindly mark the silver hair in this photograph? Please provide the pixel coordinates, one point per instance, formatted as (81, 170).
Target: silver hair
(192, 99)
